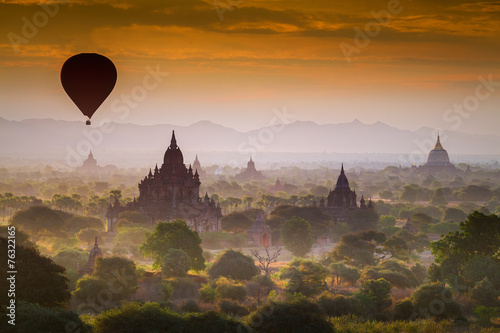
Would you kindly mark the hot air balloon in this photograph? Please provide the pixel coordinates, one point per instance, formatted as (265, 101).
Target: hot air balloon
(88, 79)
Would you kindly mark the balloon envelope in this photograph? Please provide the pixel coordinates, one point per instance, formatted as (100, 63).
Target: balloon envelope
(88, 79)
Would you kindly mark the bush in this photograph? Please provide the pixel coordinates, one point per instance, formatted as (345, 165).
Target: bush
(70, 258)
(207, 293)
(225, 289)
(232, 308)
(190, 306)
(485, 294)
(392, 271)
(34, 318)
(175, 263)
(435, 300)
(184, 287)
(485, 314)
(403, 310)
(338, 305)
(296, 316)
(234, 265)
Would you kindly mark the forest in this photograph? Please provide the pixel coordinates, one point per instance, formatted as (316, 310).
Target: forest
(368, 273)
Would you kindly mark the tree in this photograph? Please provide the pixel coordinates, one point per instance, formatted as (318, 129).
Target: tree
(22, 238)
(135, 217)
(176, 263)
(88, 235)
(453, 215)
(177, 235)
(119, 273)
(259, 287)
(38, 279)
(296, 236)
(268, 259)
(248, 200)
(484, 293)
(235, 265)
(478, 235)
(362, 219)
(438, 198)
(409, 193)
(70, 258)
(386, 195)
(435, 300)
(39, 221)
(237, 222)
(77, 223)
(131, 238)
(304, 276)
(422, 221)
(358, 249)
(392, 271)
(379, 291)
(319, 220)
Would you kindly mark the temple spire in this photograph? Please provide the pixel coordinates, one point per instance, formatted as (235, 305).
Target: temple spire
(342, 169)
(173, 141)
(438, 145)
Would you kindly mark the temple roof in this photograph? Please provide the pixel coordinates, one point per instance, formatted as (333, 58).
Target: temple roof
(173, 155)
(342, 180)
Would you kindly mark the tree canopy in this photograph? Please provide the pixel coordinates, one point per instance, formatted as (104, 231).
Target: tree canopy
(235, 265)
(296, 236)
(174, 235)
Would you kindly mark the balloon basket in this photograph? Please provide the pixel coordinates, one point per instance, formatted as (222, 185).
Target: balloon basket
(87, 122)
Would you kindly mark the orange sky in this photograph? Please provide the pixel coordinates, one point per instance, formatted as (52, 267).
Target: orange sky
(234, 66)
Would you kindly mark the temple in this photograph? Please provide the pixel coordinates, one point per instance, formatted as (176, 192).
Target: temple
(342, 200)
(250, 173)
(90, 166)
(437, 161)
(197, 167)
(259, 234)
(94, 254)
(169, 192)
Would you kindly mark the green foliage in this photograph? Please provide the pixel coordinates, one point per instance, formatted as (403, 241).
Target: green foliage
(422, 221)
(177, 235)
(94, 292)
(343, 273)
(119, 273)
(133, 237)
(387, 221)
(260, 287)
(397, 274)
(420, 272)
(228, 290)
(403, 310)
(135, 217)
(34, 318)
(175, 263)
(87, 236)
(238, 222)
(207, 293)
(485, 314)
(350, 324)
(39, 222)
(22, 238)
(304, 276)
(70, 258)
(339, 305)
(319, 221)
(409, 193)
(362, 219)
(167, 290)
(480, 267)
(232, 308)
(358, 249)
(38, 280)
(453, 215)
(435, 300)
(379, 291)
(484, 293)
(296, 236)
(438, 198)
(444, 228)
(190, 306)
(77, 223)
(235, 265)
(184, 287)
(296, 316)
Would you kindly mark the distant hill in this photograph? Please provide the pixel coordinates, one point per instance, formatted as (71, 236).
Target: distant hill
(53, 139)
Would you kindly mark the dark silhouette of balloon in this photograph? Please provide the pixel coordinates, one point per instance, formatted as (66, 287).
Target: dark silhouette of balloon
(88, 79)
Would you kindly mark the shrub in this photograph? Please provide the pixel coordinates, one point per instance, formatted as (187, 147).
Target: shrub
(190, 306)
(484, 293)
(392, 271)
(226, 289)
(184, 287)
(485, 314)
(338, 305)
(232, 308)
(379, 291)
(403, 310)
(34, 318)
(207, 293)
(435, 300)
(296, 316)
(234, 265)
